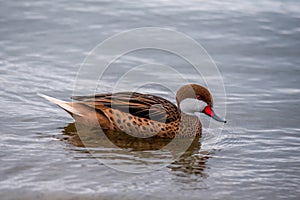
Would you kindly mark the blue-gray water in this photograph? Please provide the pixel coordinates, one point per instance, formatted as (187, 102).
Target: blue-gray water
(256, 47)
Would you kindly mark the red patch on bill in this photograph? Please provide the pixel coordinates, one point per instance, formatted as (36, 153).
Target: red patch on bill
(208, 111)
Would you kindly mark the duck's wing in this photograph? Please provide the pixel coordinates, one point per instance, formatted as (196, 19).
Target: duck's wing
(141, 105)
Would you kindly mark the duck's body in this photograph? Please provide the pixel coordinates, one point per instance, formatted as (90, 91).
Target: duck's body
(142, 115)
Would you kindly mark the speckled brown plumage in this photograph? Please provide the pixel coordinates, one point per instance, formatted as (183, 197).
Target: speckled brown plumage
(140, 115)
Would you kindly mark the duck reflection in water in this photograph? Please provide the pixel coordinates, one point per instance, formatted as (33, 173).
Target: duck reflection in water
(95, 143)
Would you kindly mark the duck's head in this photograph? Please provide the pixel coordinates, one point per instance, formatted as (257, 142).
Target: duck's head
(192, 99)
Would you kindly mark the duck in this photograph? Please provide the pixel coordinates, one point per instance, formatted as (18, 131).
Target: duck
(143, 115)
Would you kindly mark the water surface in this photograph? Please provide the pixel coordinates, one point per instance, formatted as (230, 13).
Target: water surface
(256, 47)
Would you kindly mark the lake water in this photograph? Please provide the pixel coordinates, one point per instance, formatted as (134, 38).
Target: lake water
(256, 46)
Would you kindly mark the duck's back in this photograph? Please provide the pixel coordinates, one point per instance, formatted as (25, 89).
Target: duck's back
(146, 106)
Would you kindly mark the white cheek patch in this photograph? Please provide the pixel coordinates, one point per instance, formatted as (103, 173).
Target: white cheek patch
(190, 105)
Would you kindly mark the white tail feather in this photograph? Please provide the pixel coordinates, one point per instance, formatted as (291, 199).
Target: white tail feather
(60, 103)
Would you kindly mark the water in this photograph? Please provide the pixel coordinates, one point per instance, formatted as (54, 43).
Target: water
(256, 47)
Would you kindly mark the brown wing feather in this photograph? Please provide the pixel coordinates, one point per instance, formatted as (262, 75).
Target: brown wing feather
(141, 105)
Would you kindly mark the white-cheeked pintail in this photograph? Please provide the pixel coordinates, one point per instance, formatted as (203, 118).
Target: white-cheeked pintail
(143, 115)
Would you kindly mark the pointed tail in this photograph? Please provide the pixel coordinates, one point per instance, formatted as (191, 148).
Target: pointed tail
(63, 104)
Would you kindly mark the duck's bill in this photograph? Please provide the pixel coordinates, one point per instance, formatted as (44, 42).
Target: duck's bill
(211, 113)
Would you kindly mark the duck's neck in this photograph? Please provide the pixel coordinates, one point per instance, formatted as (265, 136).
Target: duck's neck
(186, 126)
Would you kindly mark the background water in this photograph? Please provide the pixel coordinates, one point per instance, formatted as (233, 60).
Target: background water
(256, 47)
